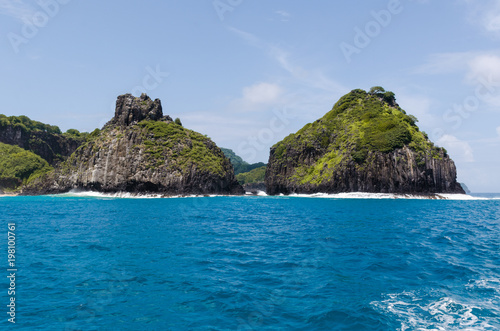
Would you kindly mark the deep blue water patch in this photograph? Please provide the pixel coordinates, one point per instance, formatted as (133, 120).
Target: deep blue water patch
(253, 263)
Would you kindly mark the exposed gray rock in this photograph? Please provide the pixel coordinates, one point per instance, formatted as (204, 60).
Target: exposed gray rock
(54, 148)
(130, 110)
(394, 172)
(366, 143)
(142, 151)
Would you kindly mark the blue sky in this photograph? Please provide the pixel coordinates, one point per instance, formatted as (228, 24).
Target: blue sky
(248, 73)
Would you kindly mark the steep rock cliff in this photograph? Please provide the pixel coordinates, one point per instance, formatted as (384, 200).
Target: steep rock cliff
(366, 143)
(142, 151)
(52, 147)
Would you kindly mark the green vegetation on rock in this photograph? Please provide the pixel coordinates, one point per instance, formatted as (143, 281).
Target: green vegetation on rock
(26, 124)
(19, 166)
(139, 150)
(170, 144)
(254, 176)
(239, 165)
(75, 134)
(361, 123)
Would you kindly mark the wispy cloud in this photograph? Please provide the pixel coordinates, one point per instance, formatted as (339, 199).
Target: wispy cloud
(486, 68)
(305, 94)
(445, 63)
(460, 150)
(310, 77)
(16, 9)
(419, 106)
(478, 69)
(484, 65)
(248, 37)
(258, 97)
(262, 93)
(283, 15)
(485, 13)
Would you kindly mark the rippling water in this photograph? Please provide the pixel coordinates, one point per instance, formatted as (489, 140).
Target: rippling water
(254, 263)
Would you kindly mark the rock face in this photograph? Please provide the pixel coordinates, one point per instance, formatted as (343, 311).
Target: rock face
(366, 143)
(142, 151)
(131, 110)
(54, 148)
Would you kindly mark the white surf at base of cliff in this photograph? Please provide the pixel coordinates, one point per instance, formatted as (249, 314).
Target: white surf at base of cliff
(364, 195)
(347, 195)
(123, 195)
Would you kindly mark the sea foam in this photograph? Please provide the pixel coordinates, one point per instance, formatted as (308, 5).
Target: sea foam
(417, 310)
(364, 195)
(122, 195)
(347, 195)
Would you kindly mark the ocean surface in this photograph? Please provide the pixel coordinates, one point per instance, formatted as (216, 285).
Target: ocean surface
(92, 262)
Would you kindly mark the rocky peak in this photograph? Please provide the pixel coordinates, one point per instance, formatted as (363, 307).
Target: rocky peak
(366, 143)
(130, 109)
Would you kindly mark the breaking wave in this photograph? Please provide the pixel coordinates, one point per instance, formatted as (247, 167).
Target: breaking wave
(122, 195)
(349, 195)
(438, 311)
(363, 195)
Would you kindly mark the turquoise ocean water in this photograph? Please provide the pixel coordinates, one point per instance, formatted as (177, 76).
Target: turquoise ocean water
(252, 263)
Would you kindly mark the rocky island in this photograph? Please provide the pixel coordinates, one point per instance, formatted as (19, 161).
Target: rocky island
(142, 151)
(366, 143)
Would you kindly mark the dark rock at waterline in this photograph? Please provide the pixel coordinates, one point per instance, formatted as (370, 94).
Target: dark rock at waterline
(142, 151)
(366, 143)
(254, 187)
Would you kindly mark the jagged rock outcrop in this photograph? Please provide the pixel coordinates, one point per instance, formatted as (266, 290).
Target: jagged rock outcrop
(142, 151)
(131, 110)
(54, 148)
(366, 143)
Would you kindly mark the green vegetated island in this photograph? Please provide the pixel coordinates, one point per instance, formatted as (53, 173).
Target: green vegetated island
(366, 143)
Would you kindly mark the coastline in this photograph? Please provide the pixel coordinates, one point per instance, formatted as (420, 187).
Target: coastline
(345, 195)
(3, 195)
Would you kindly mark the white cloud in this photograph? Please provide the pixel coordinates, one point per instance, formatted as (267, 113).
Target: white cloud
(261, 96)
(305, 94)
(306, 77)
(484, 65)
(248, 37)
(486, 68)
(459, 150)
(310, 78)
(16, 9)
(485, 13)
(419, 106)
(481, 71)
(262, 93)
(444, 63)
(284, 15)
(474, 64)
